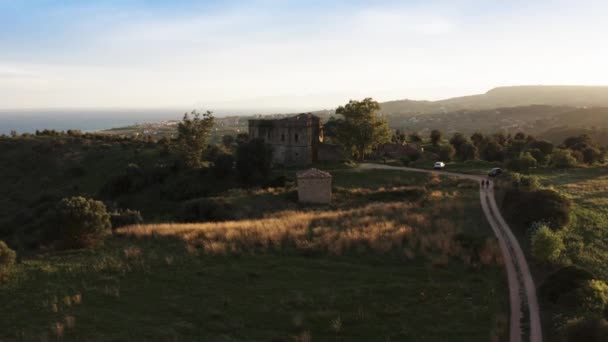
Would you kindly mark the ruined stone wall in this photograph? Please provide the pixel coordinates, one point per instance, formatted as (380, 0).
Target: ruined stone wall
(294, 140)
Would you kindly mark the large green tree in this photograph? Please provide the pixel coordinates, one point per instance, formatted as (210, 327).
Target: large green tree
(192, 134)
(362, 129)
(435, 137)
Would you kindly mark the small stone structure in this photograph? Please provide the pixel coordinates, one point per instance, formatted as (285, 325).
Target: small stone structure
(314, 186)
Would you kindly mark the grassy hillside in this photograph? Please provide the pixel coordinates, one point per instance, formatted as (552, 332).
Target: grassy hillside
(551, 122)
(586, 236)
(570, 96)
(396, 256)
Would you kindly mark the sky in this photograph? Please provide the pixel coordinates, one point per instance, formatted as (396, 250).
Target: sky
(289, 55)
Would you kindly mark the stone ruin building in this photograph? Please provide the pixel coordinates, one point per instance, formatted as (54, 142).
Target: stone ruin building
(294, 140)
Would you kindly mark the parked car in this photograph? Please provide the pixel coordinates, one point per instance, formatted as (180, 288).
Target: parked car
(439, 165)
(495, 172)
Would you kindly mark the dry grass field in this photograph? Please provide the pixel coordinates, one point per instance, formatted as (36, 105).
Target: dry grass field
(396, 257)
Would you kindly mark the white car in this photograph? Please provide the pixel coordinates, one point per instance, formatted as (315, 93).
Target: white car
(439, 166)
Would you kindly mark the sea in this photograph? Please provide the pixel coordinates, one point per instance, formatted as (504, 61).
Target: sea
(28, 121)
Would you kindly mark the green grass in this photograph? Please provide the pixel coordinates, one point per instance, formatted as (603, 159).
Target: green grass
(162, 288)
(167, 293)
(586, 236)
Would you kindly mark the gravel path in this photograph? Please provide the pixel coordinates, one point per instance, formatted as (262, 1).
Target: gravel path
(522, 292)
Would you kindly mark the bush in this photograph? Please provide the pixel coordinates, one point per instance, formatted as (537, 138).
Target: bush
(547, 245)
(591, 155)
(81, 222)
(562, 282)
(126, 217)
(7, 259)
(254, 161)
(593, 297)
(524, 207)
(277, 182)
(520, 181)
(131, 180)
(563, 159)
(590, 329)
(222, 165)
(522, 163)
(207, 209)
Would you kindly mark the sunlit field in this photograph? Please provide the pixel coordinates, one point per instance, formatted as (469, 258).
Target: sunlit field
(373, 268)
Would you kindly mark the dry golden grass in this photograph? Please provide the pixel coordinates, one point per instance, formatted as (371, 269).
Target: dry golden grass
(382, 228)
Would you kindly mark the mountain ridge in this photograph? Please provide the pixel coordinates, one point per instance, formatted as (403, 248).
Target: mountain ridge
(508, 96)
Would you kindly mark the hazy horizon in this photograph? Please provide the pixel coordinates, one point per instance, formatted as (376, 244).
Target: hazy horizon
(288, 55)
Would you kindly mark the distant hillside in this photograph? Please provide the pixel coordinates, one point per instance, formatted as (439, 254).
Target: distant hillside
(502, 97)
(537, 119)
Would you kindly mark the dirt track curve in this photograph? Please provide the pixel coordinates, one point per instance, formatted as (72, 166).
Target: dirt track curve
(522, 292)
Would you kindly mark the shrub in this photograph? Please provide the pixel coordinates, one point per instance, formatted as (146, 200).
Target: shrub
(206, 209)
(520, 181)
(590, 329)
(81, 222)
(522, 163)
(254, 161)
(563, 281)
(222, 165)
(276, 182)
(563, 159)
(593, 296)
(591, 155)
(547, 245)
(126, 217)
(7, 259)
(131, 180)
(524, 207)
(413, 154)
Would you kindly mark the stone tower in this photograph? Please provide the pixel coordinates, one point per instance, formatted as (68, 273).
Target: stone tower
(294, 140)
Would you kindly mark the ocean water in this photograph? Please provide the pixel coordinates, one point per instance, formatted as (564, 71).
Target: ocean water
(24, 121)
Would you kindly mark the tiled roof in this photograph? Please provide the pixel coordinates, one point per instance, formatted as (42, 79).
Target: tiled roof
(313, 173)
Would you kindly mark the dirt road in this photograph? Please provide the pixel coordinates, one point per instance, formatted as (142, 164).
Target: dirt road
(522, 292)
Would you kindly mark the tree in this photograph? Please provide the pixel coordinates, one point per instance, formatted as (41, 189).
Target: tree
(492, 151)
(192, 134)
(467, 151)
(457, 140)
(547, 245)
(523, 162)
(415, 137)
(222, 165)
(254, 161)
(446, 153)
(242, 138)
(330, 129)
(435, 137)
(399, 137)
(544, 146)
(563, 159)
(591, 155)
(477, 138)
(228, 140)
(578, 143)
(362, 129)
(81, 222)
